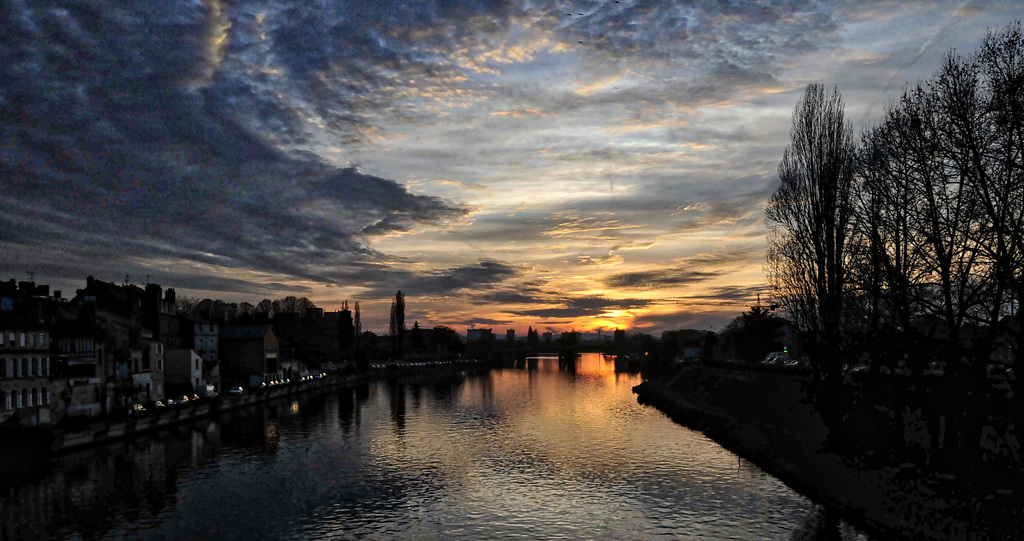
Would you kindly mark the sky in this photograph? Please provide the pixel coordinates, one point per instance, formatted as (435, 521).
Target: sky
(556, 164)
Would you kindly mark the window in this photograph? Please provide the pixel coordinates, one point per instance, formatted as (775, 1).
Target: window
(42, 339)
(10, 338)
(20, 395)
(28, 369)
(22, 339)
(21, 368)
(3, 401)
(46, 395)
(32, 339)
(159, 349)
(46, 365)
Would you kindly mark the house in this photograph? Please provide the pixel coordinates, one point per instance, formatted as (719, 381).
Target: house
(80, 356)
(25, 369)
(147, 370)
(183, 371)
(248, 354)
(211, 375)
(200, 335)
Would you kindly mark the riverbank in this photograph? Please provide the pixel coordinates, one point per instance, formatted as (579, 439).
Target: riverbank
(889, 488)
(25, 452)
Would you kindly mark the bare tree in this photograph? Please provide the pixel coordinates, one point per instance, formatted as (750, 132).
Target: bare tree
(995, 154)
(807, 259)
(186, 305)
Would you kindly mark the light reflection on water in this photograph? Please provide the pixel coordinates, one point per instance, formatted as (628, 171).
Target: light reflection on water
(531, 454)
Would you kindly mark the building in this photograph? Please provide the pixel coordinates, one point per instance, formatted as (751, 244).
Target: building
(25, 369)
(478, 335)
(160, 315)
(199, 334)
(183, 371)
(80, 356)
(147, 370)
(248, 354)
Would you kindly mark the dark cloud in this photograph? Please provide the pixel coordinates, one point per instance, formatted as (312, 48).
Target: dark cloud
(584, 306)
(120, 142)
(439, 282)
(657, 279)
(473, 322)
(696, 318)
(739, 294)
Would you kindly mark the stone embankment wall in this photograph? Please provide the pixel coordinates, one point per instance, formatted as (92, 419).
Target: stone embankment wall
(112, 429)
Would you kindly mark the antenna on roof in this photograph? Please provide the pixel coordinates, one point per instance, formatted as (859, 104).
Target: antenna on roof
(31, 276)
(147, 279)
(126, 277)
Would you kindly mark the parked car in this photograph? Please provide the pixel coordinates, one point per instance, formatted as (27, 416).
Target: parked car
(236, 390)
(137, 409)
(178, 401)
(778, 358)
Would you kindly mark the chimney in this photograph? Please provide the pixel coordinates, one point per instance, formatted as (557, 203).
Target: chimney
(170, 297)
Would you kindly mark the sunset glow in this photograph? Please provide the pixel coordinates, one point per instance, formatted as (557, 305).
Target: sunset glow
(561, 165)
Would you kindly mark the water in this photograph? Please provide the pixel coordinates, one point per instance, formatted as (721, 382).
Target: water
(512, 454)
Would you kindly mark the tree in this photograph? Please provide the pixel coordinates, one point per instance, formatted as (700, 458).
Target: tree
(417, 340)
(358, 323)
(807, 260)
(995, 155)
(753, 334)
(186, 305)
(397, 327)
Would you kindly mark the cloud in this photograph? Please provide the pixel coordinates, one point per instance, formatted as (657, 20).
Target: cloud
(657, 279)
(437, 282)
(584, 306)
(121, 141)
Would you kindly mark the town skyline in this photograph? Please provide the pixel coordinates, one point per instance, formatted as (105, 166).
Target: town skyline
(562, 166)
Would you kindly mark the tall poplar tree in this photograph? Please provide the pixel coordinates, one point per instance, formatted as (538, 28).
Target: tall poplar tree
(811, 209)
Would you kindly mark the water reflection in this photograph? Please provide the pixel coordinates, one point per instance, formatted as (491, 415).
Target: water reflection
(532, 452)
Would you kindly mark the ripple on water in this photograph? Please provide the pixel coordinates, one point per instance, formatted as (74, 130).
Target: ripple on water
(509, 455)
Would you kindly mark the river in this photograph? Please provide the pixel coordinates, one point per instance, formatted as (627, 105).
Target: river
(508, 454)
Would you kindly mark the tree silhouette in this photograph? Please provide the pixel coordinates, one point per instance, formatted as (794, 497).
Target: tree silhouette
(807, 259)
(397, 327)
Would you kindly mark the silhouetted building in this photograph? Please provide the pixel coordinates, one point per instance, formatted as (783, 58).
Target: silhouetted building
(183, 371)
(478, 335)
(199, 334)
(25, 369)
(248, 354)
(80, 356)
